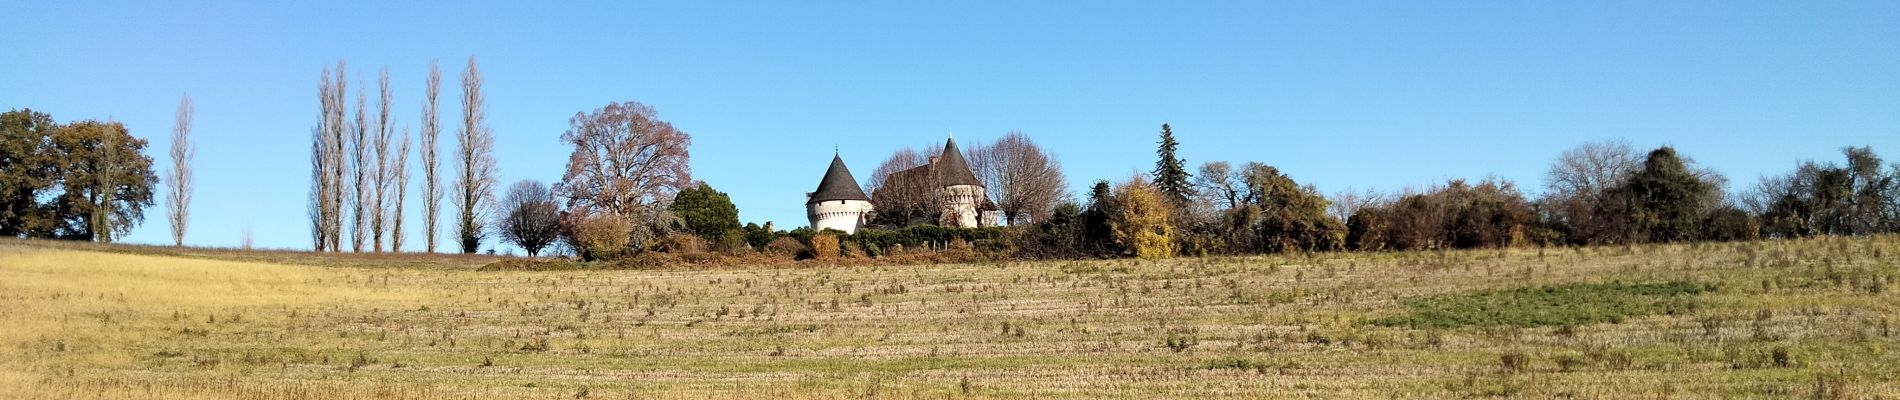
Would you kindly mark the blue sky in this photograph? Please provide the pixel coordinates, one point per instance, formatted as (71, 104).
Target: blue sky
(1338, 94)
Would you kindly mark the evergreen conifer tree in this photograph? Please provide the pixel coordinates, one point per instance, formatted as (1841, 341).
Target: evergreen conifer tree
(1170, 173)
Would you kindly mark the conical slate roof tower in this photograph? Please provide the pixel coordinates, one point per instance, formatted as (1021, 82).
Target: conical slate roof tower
(951, 168)
(838, 184)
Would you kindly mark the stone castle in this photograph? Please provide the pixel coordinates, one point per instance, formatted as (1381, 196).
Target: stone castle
(960, 199)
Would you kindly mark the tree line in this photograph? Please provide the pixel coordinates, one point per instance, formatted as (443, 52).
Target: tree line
(88, 179)
(628, 191)
(1599, 193)
(359, 167)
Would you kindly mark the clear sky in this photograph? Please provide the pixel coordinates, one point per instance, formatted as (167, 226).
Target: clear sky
(1338, 94)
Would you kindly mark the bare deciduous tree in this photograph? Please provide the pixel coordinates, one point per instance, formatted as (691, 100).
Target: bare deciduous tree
(529, 216)
(1218, 184)
(319, 208)
(359, 166)
(626, 161)
(1349, 201)
(399, 167)
(1025, 181)
(899, 201)
(178, 200)
(1592, 168)
(431, 183)
(1576, 187)
(902, 159)
(380, 178)
(244, 238)
(475, 170)
(338, 154)
(327, 162)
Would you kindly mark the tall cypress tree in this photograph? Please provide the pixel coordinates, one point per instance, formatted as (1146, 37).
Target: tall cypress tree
(1170, 172)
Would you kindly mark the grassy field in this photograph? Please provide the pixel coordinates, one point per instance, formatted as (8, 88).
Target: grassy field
(1785, 319)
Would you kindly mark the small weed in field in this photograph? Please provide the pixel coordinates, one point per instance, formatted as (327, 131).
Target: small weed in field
(1240, 364)
(1513, 362)
(1179, 343)
(1568, 363)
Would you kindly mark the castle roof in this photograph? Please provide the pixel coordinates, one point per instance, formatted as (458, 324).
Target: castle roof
(838, 184)
(951, 168)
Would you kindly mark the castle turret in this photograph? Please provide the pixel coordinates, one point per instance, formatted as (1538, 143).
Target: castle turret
(838, 203)
(963, 200)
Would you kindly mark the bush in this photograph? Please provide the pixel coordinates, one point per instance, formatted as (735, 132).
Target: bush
(853, 250)
(920, 236)
(682, 243)
(758, 236)
(598, 236)
(1489, 214)
(824, 246)
(731, 243)
(1140, 220)
(785, 247)
(706, 212)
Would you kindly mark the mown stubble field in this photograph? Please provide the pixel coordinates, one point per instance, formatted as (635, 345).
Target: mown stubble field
(1779, 319)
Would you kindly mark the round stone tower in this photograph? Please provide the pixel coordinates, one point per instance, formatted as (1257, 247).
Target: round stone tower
(838, 203)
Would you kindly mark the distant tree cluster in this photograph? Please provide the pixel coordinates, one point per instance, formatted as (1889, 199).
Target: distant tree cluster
(1861, 197)
(84, 180)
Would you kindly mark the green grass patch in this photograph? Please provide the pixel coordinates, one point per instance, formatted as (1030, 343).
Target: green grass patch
(1560, 305)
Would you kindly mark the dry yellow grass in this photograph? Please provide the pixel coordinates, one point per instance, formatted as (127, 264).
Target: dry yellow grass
(1788, 319)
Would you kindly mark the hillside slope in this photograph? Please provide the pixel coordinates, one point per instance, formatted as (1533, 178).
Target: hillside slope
(1761, 319)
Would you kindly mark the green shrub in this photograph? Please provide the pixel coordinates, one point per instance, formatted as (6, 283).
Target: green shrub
(708, 213)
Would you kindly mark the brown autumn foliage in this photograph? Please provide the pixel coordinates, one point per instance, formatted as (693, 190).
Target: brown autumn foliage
(624, 159)
(824, 246)
(597, 236)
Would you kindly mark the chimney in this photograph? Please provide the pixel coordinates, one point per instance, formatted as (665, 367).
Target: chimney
(933, 159)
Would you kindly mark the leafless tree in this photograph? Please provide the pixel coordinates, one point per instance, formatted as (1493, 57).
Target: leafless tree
(431, 183)
(319, 209)
(244, 238)
(338, 150)
(1219, 185)
(178, 202)
(359, 165)
(399, 167)
(1349, 201)
(327, 166)
(1025, 181)
(475, 170)
(1578, 184)
(625, 160)
(529, 216)
(380, 178)
(1592, 168)
(900, 201)
(902, 159)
